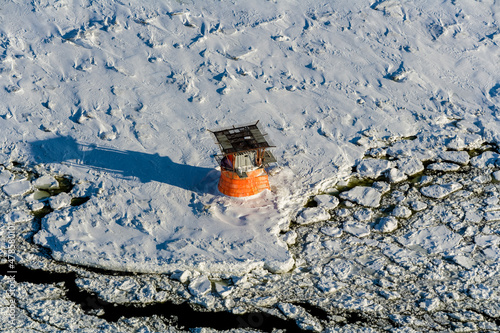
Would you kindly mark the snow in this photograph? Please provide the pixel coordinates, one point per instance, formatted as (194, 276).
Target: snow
(326, 201)
(487, 159)
(447, 167)
(17, 188)
(373, 168)
(312, 215)
(118, 97)
(200, 286)
(459, 157)
(46, 182)
(387, 224)
(433, 239)
(410, 165)
(440, 191)
(363, 195)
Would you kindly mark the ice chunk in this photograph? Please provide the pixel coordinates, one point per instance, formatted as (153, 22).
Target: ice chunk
(18, 216)
(382, 187)
(363, 215)
(312, 215)
(443, 166)
(331, 231)
(492, 252)
(473, 216)
(326, 201)
(279, 266)
(487, 240)
(373, 168)
(459, 157)
(440, 191)
(363, 195)
(433, 239)
(46, 182)
(430, 304)
(290, 310)
(200, 286)
(401, 211)
(485, 160)
(182, 276)
(329, 286)
(418, 205)
(223, 289)
(36, 205)
(387, 224)
(479, 291)
(357, 229)
(462, 261)
(492, 216)
(496, 175)
(290, 237)
(410, 165)
(16, 188)
(465, 141)
(60, 201)
(395, 175)
(5, 177)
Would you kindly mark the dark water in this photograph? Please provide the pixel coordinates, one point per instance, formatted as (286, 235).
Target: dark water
(179, 315)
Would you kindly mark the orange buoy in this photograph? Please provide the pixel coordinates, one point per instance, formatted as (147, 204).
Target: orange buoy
(232, 185)
(243, 160)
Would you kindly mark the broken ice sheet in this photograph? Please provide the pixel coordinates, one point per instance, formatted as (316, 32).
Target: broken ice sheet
(434, 239)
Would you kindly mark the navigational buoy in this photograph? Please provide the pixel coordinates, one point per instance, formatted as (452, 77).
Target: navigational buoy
(243, 160)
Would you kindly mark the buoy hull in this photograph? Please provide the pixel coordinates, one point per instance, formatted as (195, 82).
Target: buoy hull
(232, 185)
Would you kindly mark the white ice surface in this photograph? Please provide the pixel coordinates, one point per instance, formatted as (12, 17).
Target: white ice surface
(121, 95)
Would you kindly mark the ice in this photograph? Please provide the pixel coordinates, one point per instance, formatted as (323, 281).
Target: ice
(440, 191)
(17, 216)
(290, 237)
(326, 201)
(447, 167)
(182, 276)
(459, 157)
(387, 224)
(365, 196)
(200, 286)
(331, 231)
(313, 215)
(410, 165)
(487, 240)
(327, 285)
(46, 182)
(395, 175)
(488, 159)
(490, 216)
(357, 229)
(60, 201)
(118, 96)
(17, 188)
(433, 239)
(5, 177)
(402, 211)
(373, 168)
(363, 215)
(431, 304)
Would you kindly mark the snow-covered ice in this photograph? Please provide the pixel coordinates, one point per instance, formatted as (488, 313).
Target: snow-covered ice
(118, 96)
(365, 196)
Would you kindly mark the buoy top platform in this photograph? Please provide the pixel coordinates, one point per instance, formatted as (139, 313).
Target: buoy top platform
(243, 160)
